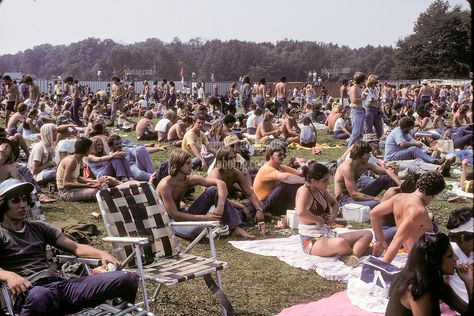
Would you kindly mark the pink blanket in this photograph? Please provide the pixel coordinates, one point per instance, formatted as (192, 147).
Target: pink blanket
(337, 305)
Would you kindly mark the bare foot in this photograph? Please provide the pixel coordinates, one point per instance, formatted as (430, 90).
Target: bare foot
(43, 198)
(240, 232)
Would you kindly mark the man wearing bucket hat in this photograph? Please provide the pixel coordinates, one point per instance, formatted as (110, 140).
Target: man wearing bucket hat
(38, 289)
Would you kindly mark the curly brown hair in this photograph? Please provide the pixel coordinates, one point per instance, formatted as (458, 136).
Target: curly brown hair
(431, 183)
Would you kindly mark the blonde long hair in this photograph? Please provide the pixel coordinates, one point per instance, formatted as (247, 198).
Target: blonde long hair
(46, 133)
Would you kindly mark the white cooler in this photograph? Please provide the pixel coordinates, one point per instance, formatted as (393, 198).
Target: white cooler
(292, 219)
(356, 212)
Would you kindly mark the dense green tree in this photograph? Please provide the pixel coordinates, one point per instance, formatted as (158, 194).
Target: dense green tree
(439, 47)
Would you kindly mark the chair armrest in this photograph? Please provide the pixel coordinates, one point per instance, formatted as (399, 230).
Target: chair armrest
(127, 240)
(197, 224)
(70, 258)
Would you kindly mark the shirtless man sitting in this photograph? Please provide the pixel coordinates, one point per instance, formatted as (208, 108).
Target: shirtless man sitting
(177, 131)
(173, 187)
(11, 130)
(266, 130)
(352, 187)
(225, 170)
(16, 119)
(411, 216)
(145, 128)
(289, 124)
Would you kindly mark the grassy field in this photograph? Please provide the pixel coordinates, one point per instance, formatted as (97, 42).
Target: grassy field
(256, 285)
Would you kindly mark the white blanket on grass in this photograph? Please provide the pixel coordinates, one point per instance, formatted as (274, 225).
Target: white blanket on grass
(289, 251)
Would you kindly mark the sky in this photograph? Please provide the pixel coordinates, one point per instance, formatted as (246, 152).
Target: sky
(354, 23)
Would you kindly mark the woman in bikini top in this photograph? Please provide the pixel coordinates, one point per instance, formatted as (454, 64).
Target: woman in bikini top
(313, 220)
(316, 206)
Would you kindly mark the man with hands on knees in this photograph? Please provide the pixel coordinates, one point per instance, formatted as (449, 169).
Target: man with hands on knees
(38, 289)
(173, 187)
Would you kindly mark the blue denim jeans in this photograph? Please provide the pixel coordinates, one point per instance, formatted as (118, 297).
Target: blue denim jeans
(201, 206)
(370, 187)
(70, 296)
(141, 166)
(412, 152)
(117, 168)
(373, 120)
(388, 233)
(357, 119)
(282, 198)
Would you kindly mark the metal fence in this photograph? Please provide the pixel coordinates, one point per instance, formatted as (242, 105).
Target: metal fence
(222, 86)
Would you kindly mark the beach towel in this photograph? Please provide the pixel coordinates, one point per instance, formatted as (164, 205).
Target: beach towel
(289, 251)
(338, 305)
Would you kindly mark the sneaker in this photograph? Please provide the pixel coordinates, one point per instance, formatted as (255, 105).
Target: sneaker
(350, 261)
(445, 167)
(439, 161)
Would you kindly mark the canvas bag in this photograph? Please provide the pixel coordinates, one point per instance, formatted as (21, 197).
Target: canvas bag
(379, 273)
(445, 145)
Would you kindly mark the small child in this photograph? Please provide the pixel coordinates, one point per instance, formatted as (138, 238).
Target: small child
(308, 134)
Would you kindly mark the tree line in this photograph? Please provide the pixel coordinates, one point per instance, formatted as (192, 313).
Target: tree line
(440, 46)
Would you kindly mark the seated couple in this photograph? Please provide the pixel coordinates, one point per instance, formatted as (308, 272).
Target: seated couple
(316, 210)
(211, 205)
(122, 163)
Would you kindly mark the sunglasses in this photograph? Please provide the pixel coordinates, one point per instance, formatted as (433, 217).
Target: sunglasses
(19, 199)
(281, 155)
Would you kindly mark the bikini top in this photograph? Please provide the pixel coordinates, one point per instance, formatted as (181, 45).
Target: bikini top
(316, 207)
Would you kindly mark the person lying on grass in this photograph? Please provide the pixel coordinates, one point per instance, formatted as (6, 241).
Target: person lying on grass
(316, 210)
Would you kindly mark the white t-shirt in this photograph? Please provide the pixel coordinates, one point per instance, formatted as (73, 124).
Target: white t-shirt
(307, 134)
(38, 153)
(339, 122)
(143, 104)
(201, 93)
(161, 125)
(253, 118)
(64, 146)
(454, 280)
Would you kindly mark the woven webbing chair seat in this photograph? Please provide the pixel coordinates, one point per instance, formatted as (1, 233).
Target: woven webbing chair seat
(137, 223)
(181, 268)
(124, 309)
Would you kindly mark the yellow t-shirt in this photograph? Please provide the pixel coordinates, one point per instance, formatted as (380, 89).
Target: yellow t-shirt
(191, 138)
(266, 180)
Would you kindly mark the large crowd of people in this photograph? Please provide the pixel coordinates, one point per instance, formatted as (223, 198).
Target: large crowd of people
(69, 137)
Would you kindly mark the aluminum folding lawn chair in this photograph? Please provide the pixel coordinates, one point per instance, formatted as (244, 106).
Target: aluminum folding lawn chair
(143, 239)
(122, 309)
